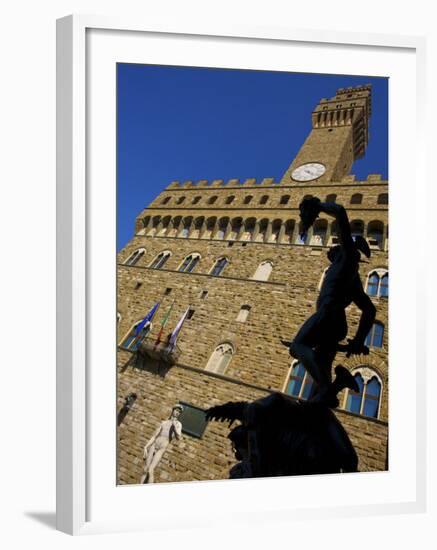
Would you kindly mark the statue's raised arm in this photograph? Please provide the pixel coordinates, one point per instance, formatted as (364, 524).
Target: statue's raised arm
(310, 209)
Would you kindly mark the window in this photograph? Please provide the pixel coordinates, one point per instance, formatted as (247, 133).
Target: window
(133, 339)
(193, 420)
(219, 267)
(248, 199)
(366, 400)
(263, 271)
(212, 200)
(331, 198)
(299, 383)
(180, 200)
(220, 358)
(284, 199)
(264, 199)
(134, 257)
(195, 200)
(377, 283)
(230, 200)
(375, 337)
(167, 291)
(203, 294)
(165, 200)
(160, 260)
(357, 198)
(190, 313)
(189, 263)
(243, 314)
(383, 198)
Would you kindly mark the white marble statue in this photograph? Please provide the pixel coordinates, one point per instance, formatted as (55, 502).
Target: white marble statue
(158, 443)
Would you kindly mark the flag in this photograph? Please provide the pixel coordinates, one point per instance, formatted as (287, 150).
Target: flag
(174, 334)
(147, 319)
(163, 323)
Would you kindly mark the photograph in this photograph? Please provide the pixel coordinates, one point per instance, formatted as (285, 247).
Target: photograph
(252, 274)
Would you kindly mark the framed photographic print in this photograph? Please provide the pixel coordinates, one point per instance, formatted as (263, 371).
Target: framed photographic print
(231, 331)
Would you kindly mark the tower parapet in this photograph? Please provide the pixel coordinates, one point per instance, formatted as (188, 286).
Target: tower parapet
(339, 136)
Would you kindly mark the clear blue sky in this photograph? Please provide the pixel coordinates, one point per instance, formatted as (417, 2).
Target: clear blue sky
(181, 123)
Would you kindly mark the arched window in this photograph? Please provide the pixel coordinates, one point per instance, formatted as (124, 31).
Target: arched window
(357, 198)
(299, 382)
(133, 339)
(263, 271)
(284, 199)
(243, 314)
(165, 200)
(377, 283)
(331, 198)
(134, 257)
(195, 200)
(160, 260)
(375, 337)
(366, 401)
(248, 199)
(180, 200)
(212, 200)
(219, 266)
(264, 199)
(230, 200)
(220, 358)
(189, 263)
(383, 198)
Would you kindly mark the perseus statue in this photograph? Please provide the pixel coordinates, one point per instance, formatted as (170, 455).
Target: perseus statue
(158, 443)
(318, 340)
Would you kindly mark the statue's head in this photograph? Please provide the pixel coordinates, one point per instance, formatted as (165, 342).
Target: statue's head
(176, 411)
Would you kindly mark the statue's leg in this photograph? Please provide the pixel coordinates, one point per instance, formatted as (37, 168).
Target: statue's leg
(327, 394)
(155, 461)
(302, 349)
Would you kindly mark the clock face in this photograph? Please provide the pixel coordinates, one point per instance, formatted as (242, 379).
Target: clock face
(308, 172)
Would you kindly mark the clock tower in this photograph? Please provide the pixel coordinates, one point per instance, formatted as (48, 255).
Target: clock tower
(338, 137)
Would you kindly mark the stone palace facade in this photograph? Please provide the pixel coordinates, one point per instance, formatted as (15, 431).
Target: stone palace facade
(231, 252)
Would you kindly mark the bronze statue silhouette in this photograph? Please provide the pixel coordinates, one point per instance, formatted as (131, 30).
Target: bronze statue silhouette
(279, 436)
(318, 340)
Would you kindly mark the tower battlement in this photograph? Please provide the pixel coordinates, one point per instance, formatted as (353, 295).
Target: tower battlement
(233, 182)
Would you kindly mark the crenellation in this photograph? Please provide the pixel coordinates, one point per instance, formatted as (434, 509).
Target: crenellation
(217, 183)
(249, 182)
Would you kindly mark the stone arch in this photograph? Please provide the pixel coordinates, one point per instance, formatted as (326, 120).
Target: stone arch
(288, 231)
(197, 227)
(209, 227)
(375, 234)
(357, 228)
(222, 227)
(320, 229)
(236, 227)
(262, 231)
(249, 229)
(276, 229)
(163, 226)
(366, 402)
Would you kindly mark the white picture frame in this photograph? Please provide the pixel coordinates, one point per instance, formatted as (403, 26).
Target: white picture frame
(76, 236)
